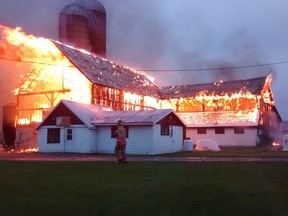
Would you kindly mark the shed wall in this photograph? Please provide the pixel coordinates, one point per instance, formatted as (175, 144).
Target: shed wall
(138, 142)
(83, 141)
(167, 144)
(44, 147)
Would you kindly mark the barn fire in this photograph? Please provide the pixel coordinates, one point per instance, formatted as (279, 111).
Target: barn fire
(59, 71)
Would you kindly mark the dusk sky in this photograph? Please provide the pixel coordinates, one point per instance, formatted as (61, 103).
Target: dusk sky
(181, 34)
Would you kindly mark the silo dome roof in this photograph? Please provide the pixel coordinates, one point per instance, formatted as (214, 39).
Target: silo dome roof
(75, 10)
(94, 5)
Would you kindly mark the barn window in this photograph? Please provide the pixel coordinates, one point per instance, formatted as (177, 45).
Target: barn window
(69, 134)
(165, 130)
(201, 130)
(114, 131)
(53, 135)
(220, 130)
(239, 130)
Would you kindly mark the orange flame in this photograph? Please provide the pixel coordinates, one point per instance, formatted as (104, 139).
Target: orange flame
(26, 150)
(52, 74)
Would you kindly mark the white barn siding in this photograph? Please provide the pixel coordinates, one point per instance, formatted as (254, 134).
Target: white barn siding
(167, 144)
(43, 147)
(83, 141)
(138, 142)
(142, 140)
(105, 144)
(248, 139)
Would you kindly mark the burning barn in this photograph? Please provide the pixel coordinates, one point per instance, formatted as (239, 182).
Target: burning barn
(233, 113)
(63, 72)
(86, 78)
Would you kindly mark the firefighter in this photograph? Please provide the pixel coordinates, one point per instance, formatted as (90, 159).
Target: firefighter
(120, 146)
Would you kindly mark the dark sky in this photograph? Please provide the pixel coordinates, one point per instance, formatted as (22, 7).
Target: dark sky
(180, 34)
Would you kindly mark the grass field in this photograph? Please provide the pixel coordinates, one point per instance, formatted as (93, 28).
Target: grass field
(143, 188)
(267, 151)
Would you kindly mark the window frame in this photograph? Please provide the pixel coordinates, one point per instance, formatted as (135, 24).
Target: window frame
(239, 130)
(164, 130)
(69, 134)
(53, 135)
(219, 130)
(201, 130)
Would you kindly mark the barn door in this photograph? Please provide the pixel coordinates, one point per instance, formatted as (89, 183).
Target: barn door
(69, 140)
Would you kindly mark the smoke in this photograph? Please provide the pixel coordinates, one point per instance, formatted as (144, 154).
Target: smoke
(158, 35)
(152, 35)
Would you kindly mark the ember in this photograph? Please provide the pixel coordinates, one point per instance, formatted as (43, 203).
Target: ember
(28, 150)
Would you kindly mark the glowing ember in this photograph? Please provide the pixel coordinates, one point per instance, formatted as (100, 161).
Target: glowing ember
(27, 150)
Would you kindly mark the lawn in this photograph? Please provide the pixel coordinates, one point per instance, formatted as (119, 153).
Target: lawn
(143, 188)
(255, 152)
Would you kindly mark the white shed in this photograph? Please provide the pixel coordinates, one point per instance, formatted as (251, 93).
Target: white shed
(67, 128)
(81, 128)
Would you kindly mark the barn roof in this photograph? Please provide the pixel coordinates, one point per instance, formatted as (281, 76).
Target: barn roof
(92, 115)
(103, 72)
(106, 73)
(147, 117)
(85, 112)
(254, 86)
(220, 119)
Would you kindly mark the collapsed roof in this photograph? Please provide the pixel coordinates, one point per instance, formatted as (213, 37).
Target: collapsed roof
(220, 119)
(254, 86)
(106, 73)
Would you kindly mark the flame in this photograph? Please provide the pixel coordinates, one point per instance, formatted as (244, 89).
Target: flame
(132, 99)
(267, 93)
(52, 74)
(16, 45)
(26, 150)
(244, 101)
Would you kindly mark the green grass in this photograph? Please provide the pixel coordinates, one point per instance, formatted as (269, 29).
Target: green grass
(262, 151)
(143, 188)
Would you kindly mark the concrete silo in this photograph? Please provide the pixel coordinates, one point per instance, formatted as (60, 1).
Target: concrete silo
(87, 17)
(73, 27)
